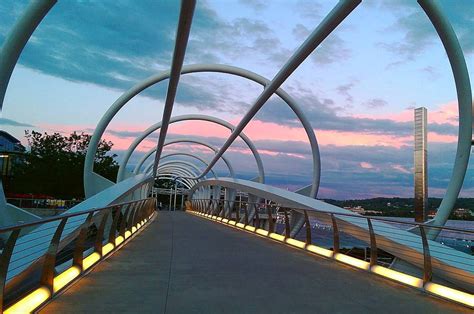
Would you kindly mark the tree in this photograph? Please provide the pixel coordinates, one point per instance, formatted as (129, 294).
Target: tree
(54, 164)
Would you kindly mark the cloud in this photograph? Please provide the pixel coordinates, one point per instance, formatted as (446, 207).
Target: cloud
(257, 5)
(323, 115)
(310, 10)
(9, 122)
(344, 90)
(418, 32)
(102, 43)
(332, 49)
(375, 103)
(348, 171)
(366, 165)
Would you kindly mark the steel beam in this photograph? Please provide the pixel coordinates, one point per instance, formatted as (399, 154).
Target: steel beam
(182, 36)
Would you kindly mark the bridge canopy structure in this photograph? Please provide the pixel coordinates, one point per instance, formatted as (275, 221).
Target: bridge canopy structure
(42, 257)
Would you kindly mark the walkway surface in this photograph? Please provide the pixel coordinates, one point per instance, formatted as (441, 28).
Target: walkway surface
(186, 264)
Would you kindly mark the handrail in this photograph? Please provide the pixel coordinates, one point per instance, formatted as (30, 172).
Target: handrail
(46, 250)
(59, 217)
(416, 224)
(434, 258)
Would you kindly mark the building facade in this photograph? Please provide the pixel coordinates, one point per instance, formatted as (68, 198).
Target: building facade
(10, 149)
(421, 165)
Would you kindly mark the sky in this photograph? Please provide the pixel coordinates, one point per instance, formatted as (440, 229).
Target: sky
(358, 89)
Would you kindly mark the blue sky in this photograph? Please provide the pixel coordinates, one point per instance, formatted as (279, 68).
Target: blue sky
(358, 89)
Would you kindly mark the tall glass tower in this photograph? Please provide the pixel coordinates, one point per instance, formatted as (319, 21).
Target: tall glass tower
(421, 165)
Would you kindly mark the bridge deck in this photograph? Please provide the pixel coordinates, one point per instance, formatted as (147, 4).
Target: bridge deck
(185, 264)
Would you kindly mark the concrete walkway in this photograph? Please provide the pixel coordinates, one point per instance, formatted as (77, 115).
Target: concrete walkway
(186, 264)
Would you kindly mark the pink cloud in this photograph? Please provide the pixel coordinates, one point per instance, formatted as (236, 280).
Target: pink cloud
(401, 169)
(258, 130)
(444, 113)
(366, 165)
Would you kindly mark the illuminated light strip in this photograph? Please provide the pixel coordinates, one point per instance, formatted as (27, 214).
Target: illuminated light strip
(119, 240)
(107, 248)
(29, 303)
(34, 299)
(134, 229)
(90, 260)
(397, 276)
(296, 243)
(127, 234)
(262, 232)
(219, 218)
(214, 217)
(452, 294)
(436, 289)
(319, 250)
(65, 277)
(250, 228)
(276, 236)
(346, 259)
(225, 220)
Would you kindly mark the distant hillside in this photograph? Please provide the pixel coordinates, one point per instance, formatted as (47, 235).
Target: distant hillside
(401, 207)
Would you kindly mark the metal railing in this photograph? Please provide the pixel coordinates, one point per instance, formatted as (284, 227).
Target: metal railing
(42, 203)
(358, 240)
(34, 253)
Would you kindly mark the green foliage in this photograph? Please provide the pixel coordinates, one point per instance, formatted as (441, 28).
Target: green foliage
(54, 165)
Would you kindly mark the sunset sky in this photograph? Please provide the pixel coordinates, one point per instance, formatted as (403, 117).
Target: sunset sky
(358, 89)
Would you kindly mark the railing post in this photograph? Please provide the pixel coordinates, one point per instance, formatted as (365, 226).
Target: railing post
(100, 232)
(123, 222)
(131, 215)
(5, 262)
(81, 239)
(136, 216)
(256, 223)
(335, 233)
(138, 213)
(227, 209)
(427, 269)
(271, 225)
(287, 223)
(308, 228)
(373, 244)
(113, 227)
(47, 275)
(246, 214)
(237, 212)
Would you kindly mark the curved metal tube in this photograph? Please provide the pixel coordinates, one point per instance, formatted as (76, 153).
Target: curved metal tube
(190, 140)
(181, 41)
(218, 68)
(36, 11)
(17, 38)
(194, 117)
(464, 95)
(181, 162)
(182, 171)
(177, 178)
(142, 161)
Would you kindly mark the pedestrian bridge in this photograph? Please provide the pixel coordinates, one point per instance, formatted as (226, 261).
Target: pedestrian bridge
(199, 266)
(241, 245)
